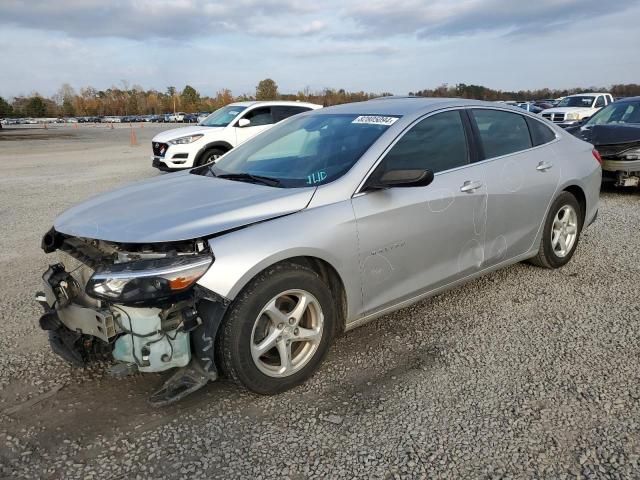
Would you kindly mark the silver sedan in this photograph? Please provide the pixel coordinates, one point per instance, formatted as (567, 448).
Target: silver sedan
(251, 265)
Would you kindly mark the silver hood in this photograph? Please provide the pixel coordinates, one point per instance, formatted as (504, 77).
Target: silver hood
(178, 206)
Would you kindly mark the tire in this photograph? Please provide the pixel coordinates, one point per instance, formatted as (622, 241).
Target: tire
(551, 254)
(209, 155)
(246, 326)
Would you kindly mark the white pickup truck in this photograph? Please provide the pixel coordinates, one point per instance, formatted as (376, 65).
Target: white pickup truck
(575, 108)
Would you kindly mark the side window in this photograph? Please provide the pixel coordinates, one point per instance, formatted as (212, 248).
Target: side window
(501, 133)
(599, 102)
(437, 143)
(540, 133)
(280, 113)
(259, 116)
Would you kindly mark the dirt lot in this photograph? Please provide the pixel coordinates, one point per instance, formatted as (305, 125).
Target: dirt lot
(523, 373)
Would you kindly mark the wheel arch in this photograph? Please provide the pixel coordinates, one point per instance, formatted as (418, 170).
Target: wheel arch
(580, 196)
(221, 144)
(323, 267)
(332, 278)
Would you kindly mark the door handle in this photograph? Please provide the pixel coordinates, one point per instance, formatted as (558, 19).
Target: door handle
(544, 166)
(469, 187)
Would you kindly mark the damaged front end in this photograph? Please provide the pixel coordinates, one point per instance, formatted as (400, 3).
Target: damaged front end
(137, 304)
(621, 163)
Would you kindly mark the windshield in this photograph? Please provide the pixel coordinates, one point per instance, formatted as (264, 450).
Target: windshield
(304, 151)
(223, 116)
(616, 113)
(581, 101)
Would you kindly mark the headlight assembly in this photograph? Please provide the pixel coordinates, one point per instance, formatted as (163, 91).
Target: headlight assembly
(572, 116)
(187, 139)
(144, 280)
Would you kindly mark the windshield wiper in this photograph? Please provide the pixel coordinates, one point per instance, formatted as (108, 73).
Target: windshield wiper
(248, 177)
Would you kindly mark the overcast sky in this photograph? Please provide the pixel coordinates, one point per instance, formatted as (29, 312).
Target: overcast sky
(372, 45)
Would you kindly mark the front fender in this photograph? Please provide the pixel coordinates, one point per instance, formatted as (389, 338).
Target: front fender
(327, 233)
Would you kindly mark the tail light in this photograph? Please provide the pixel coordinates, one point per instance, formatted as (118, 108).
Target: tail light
(596, 155)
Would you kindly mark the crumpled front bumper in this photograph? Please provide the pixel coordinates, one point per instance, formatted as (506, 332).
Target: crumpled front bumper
(82, 330)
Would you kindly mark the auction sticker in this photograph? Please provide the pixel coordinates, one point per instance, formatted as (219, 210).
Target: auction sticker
(375, 120)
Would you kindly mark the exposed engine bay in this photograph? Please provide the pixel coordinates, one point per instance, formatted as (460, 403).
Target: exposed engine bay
(136, 304)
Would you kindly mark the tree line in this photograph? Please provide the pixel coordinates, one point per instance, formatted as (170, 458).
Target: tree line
(479, 92)
(134, 100)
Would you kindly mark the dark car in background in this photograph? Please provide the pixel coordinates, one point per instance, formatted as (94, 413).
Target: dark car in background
(190, 118)
(615, 132)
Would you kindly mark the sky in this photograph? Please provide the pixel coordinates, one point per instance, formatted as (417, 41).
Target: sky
(393, 46)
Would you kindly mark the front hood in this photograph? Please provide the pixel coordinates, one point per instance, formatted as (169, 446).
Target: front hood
(178, 206)
(183, 132)
(566, 110)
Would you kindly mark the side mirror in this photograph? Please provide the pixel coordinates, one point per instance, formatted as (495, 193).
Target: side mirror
(400, 178)
(244, 122)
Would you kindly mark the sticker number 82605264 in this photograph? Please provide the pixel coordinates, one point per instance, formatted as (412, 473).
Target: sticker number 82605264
(375, 120)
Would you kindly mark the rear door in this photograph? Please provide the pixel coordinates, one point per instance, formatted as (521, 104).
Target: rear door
(522, 177)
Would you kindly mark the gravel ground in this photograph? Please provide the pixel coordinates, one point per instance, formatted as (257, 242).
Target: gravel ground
(525, 373)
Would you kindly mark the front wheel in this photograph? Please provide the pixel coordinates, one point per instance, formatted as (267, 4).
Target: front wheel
(209, 155)
(561, 232)
(278, 330)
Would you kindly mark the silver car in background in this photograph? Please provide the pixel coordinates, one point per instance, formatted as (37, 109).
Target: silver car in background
(252, 264)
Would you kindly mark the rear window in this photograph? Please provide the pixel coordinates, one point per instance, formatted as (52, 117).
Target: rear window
(280, 113)
(501, 133)
(540, 133)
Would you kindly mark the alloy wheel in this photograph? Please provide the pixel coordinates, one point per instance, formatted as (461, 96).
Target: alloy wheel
(564, 231)
(287, 332)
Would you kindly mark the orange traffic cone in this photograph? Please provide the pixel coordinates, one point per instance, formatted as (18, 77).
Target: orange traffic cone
(133, 139)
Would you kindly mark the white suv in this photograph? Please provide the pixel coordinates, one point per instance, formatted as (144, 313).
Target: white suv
(574, 108)
(219, 132)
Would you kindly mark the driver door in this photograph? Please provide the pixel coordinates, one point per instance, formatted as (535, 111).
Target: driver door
(259, 118)
(416, 239)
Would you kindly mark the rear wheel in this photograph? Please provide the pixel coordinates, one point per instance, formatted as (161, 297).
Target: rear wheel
(279, 330)
(561, 232)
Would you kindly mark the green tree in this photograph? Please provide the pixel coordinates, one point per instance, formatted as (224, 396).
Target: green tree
(190, 98)
(267, 89)
(5, 109)
(36, 107)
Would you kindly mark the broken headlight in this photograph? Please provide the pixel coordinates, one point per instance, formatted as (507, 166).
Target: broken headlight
(144, 280)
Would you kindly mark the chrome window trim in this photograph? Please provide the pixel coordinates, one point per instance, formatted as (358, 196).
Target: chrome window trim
(358, 192)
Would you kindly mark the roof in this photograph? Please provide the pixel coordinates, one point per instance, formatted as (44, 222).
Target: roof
(588, 93)
(628, 99)
(268, 103)
(402, 105)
